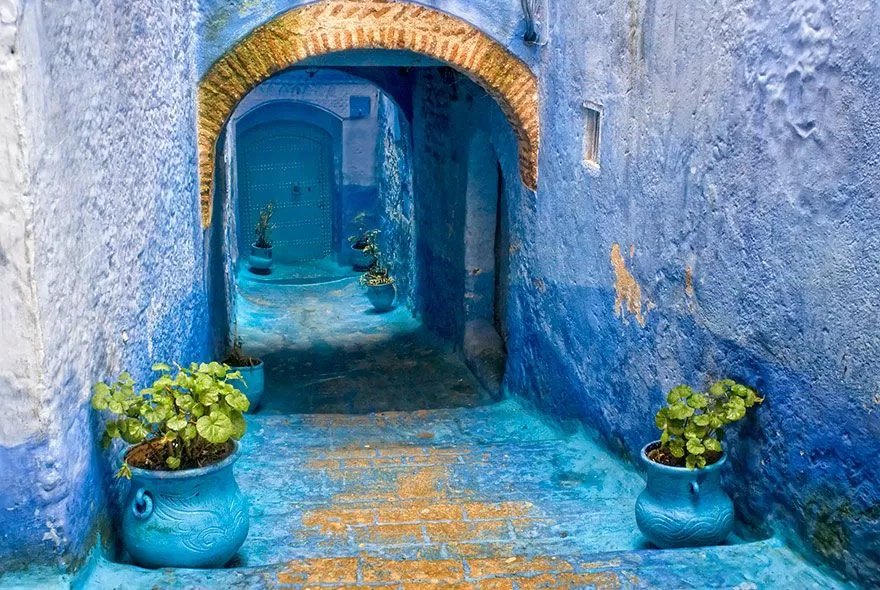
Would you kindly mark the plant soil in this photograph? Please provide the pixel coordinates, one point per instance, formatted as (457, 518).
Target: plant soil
(664, 457)
(151, 456)
(241, 360)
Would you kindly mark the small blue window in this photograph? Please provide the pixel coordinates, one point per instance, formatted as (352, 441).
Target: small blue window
(359, 107)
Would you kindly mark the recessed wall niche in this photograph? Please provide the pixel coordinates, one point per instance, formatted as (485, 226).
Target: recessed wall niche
(592, 134)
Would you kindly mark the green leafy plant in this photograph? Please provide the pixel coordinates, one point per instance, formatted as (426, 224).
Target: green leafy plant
(237, 357)
(359, 240)
(263, 229)
(365, 241)
(185, 419)
(692, 424)
(377, 273)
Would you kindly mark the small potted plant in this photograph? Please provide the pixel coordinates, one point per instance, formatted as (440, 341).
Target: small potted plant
(362, 247)
(252, 381)
(379, 283)
(184, 507)
(683, 504)
(260, 259)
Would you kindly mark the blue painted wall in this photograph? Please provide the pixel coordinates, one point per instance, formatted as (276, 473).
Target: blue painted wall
(394, 187)
(117, 252)
(450, 111)
(738, 149)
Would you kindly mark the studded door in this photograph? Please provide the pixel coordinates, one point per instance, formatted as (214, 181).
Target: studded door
(291, 164)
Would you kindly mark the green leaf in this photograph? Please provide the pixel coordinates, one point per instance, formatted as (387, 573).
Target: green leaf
(712, 445)
(177, 422)
(691, 462)
(124, 471)
(676, 447)
(694, 447)
(676, 427)
(112, 429)
(664, 438)
(717, 390)
(698, 401)
(239, 426)
(680, 411)
(161, 367)
(660, 418)
(100, 400)
(173, 462)
(238, 401)
(215, 428)
(208, 395)
(198, 410)
(701, 420)
(678, 392)
(133, 431)
(189, 432)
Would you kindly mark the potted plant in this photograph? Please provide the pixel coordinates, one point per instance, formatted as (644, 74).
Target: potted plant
(252, 381)
(683, 504)
(379, 283)
(184, 507)
(362, 248)
(260, 259)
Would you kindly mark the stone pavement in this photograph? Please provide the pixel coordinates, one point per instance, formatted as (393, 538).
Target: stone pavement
(378, 462)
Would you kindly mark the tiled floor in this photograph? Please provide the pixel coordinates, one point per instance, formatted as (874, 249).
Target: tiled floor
(378, 462)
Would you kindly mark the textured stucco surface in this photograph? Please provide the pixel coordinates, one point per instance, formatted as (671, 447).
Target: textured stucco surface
(450, 112)
(739, 179)
(109, 169)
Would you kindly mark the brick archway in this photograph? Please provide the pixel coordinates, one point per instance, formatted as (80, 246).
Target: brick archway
(331, 26)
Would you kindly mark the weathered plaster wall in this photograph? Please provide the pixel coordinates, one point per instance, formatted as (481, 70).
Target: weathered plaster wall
(450, 111)
(108, 252)
(395, 196)
(734, 222)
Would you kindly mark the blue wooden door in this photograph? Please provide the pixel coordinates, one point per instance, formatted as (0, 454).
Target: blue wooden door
(289, 163)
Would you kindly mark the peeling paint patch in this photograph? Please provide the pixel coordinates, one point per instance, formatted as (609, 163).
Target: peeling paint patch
(629, 293)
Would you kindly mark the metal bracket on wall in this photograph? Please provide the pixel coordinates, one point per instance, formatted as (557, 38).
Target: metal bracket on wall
(535, 15)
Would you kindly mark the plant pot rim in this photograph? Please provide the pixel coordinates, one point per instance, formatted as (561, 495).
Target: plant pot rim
(679, 471)
(256, 366)
(181, 474)
(391, 284)
(254, 245)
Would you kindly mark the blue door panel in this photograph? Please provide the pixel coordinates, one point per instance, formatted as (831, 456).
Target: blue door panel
(291, 164)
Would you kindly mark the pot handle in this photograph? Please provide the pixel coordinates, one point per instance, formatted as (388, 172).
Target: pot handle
(695, 488)
(142, 507)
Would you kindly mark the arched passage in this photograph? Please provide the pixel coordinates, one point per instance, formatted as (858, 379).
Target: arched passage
(337, 25)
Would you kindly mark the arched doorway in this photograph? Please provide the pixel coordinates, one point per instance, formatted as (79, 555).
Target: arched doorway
(333, 26)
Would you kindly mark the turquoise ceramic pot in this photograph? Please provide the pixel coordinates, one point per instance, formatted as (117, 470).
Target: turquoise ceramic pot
(194, 518)
(382, 297)
(253, 386)
(683, 507)
(260, 260)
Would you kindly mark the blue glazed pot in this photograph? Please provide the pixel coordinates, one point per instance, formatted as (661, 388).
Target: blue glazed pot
(193, 518)
(382, 297)
(260, 260)
(253, 384)
(360, 260)
(683, 507)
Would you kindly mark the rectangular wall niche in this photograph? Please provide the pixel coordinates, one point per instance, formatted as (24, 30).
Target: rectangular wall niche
(592, 133)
